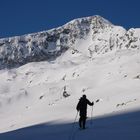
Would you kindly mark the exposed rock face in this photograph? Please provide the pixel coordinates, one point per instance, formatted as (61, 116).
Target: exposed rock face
(47, 45)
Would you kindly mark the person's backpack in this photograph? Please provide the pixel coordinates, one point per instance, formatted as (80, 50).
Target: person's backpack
(78, 105)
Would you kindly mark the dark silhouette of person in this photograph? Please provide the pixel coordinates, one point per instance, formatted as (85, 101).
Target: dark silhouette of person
(82, 109)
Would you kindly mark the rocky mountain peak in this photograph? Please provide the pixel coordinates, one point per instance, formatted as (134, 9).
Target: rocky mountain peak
(48, 45)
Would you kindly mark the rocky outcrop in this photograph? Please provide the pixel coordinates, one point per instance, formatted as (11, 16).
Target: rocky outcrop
(48, 45)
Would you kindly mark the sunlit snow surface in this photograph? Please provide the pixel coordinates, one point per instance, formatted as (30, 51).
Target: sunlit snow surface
(33, 106)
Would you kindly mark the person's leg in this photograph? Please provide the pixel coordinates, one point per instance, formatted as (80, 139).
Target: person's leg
(80, 122)
(84, 122)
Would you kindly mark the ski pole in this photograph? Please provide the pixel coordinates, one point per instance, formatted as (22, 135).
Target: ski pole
(75, 119)
(91, 115)
(72, 130)
(92, 111)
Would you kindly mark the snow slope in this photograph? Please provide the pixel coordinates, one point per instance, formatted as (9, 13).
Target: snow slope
(32, 95)
(89, 35)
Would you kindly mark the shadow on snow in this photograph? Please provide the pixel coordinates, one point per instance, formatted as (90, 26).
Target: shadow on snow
(124, 126)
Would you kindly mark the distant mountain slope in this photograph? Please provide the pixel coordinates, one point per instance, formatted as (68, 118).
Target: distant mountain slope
(96, 58)
(101, 35)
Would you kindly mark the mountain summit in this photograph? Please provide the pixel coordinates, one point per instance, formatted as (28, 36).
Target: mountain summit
(87, 56)
(89, 35)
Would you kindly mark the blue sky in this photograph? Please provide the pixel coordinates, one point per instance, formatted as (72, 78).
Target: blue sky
(19, 17)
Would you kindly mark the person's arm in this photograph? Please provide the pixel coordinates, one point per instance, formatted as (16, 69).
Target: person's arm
(90, 103)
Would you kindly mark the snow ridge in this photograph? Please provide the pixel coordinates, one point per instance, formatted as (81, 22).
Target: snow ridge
(48, 45)
(96, 58)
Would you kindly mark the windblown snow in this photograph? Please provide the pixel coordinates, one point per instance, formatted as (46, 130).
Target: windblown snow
(85, 56)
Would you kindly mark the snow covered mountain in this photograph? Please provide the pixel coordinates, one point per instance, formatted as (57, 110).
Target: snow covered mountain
(47, 72)
(102, 37)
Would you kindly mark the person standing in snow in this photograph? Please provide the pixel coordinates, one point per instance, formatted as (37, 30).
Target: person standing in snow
(82, 108)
